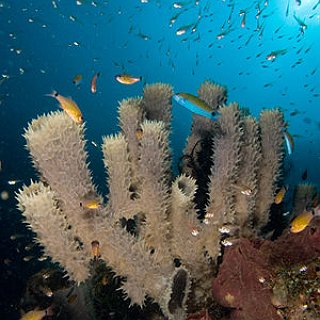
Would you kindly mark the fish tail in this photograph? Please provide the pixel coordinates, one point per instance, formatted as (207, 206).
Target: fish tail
(53, 94)
(98, 74)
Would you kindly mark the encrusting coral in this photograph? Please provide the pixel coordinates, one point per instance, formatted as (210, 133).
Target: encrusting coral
(173, 254)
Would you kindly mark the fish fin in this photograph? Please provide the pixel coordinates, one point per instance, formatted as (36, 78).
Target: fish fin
(98, 74)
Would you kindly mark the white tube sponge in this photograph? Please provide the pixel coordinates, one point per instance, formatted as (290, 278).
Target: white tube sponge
(57, 147)
(116, 161)
(129, 257)
(131, 115)
(224, 173)
(247, 183)
(121, 250)
(154, 167)
(39, 205)
(174, 301)
(67, 230)
(271, 127)
(157, 102)
(186, 226)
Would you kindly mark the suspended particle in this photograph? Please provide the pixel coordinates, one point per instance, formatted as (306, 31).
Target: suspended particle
(4, 195)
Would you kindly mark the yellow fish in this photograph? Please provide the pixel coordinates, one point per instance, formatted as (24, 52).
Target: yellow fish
(69, 106)
(139, 134)
(90, 203)
(37, 314)
(280, 195)
(127, 79)
(300, 222)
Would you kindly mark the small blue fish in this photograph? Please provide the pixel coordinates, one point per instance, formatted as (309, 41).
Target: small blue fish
(195, 105)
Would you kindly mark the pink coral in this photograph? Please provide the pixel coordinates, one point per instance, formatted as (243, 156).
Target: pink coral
(243, 283)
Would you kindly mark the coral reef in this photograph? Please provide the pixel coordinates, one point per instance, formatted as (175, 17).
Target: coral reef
(182, 225)
(278, 279)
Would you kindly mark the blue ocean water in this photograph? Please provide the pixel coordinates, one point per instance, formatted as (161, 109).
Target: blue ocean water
(45, 44)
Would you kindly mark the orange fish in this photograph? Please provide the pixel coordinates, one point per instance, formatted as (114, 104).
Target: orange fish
(95, 245)
(127, 79)
(69, 106)
(280, 195)
(300, 222)
(94, 82)
(139, 134)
